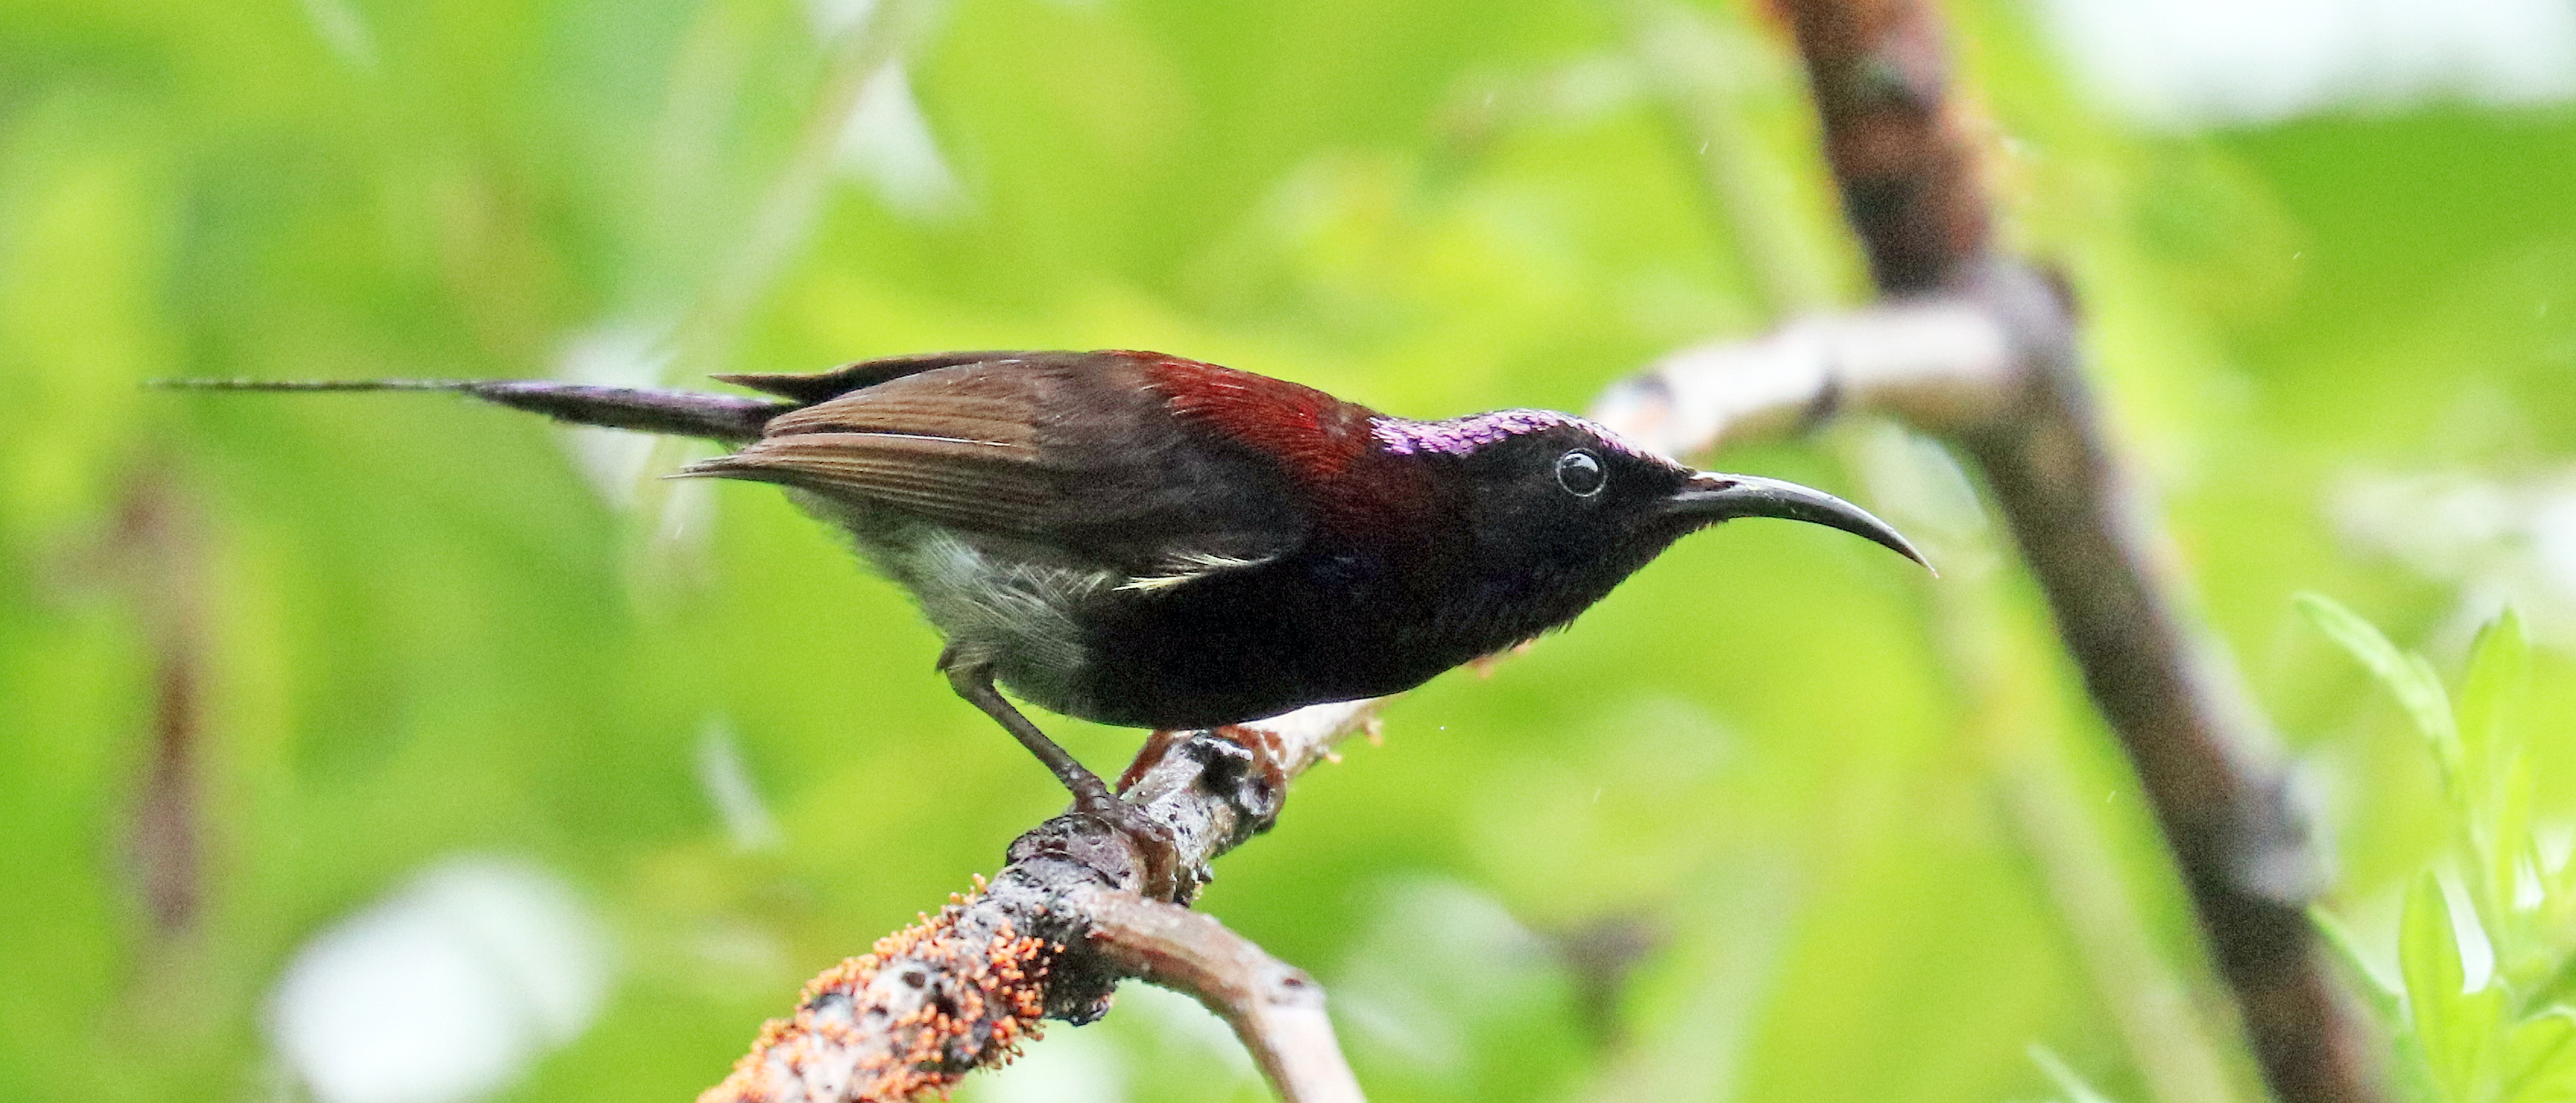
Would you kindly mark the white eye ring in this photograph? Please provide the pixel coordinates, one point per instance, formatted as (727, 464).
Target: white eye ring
(1579, 472)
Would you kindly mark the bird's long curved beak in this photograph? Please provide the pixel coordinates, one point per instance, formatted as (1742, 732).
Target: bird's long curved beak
(1710, 497)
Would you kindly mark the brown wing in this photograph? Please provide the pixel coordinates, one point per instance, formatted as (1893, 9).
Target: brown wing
(960, 482)
(961, 448)
(1070, 451)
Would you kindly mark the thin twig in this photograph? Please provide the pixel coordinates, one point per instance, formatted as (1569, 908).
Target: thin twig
(1937, 361)
(1276, 1009)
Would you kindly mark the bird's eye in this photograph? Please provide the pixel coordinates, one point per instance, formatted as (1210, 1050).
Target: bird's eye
(1579, 472)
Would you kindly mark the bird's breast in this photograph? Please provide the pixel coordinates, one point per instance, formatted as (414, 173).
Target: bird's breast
(1322, 625)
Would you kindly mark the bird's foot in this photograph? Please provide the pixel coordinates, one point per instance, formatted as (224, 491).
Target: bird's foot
(1158, 853)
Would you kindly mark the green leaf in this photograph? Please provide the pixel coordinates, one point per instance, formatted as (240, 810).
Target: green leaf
(2499, 672)
(2555, 988)
(2492, 751)
(2407, 677)
(2455, 1027)
(2507, 848)
(2065, 1076)
(2540, 1060)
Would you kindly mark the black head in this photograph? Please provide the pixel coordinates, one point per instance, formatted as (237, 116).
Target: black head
(1556, 510)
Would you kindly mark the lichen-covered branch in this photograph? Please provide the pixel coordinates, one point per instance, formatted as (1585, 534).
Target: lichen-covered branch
(1079, 907)
(932, 1002)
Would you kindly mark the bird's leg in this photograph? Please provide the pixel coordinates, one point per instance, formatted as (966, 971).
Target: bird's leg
(1162, 876)
(974, 682)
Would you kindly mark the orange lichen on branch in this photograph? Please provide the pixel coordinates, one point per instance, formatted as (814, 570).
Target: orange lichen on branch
(927, 1005)
(962, 990)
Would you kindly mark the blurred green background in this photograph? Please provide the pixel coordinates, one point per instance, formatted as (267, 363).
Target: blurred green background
(287, 681)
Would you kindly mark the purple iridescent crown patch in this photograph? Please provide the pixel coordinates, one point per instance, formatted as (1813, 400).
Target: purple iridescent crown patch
(1459, 436)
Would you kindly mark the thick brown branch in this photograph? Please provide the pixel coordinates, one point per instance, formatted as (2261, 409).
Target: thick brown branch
(2201, 750)
(1055, 931)
(1899, 149)
(1907, 169)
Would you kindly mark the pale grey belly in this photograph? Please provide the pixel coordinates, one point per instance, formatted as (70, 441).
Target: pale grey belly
(1019, 616)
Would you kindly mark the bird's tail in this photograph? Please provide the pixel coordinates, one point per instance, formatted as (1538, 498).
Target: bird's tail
(678, 413)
